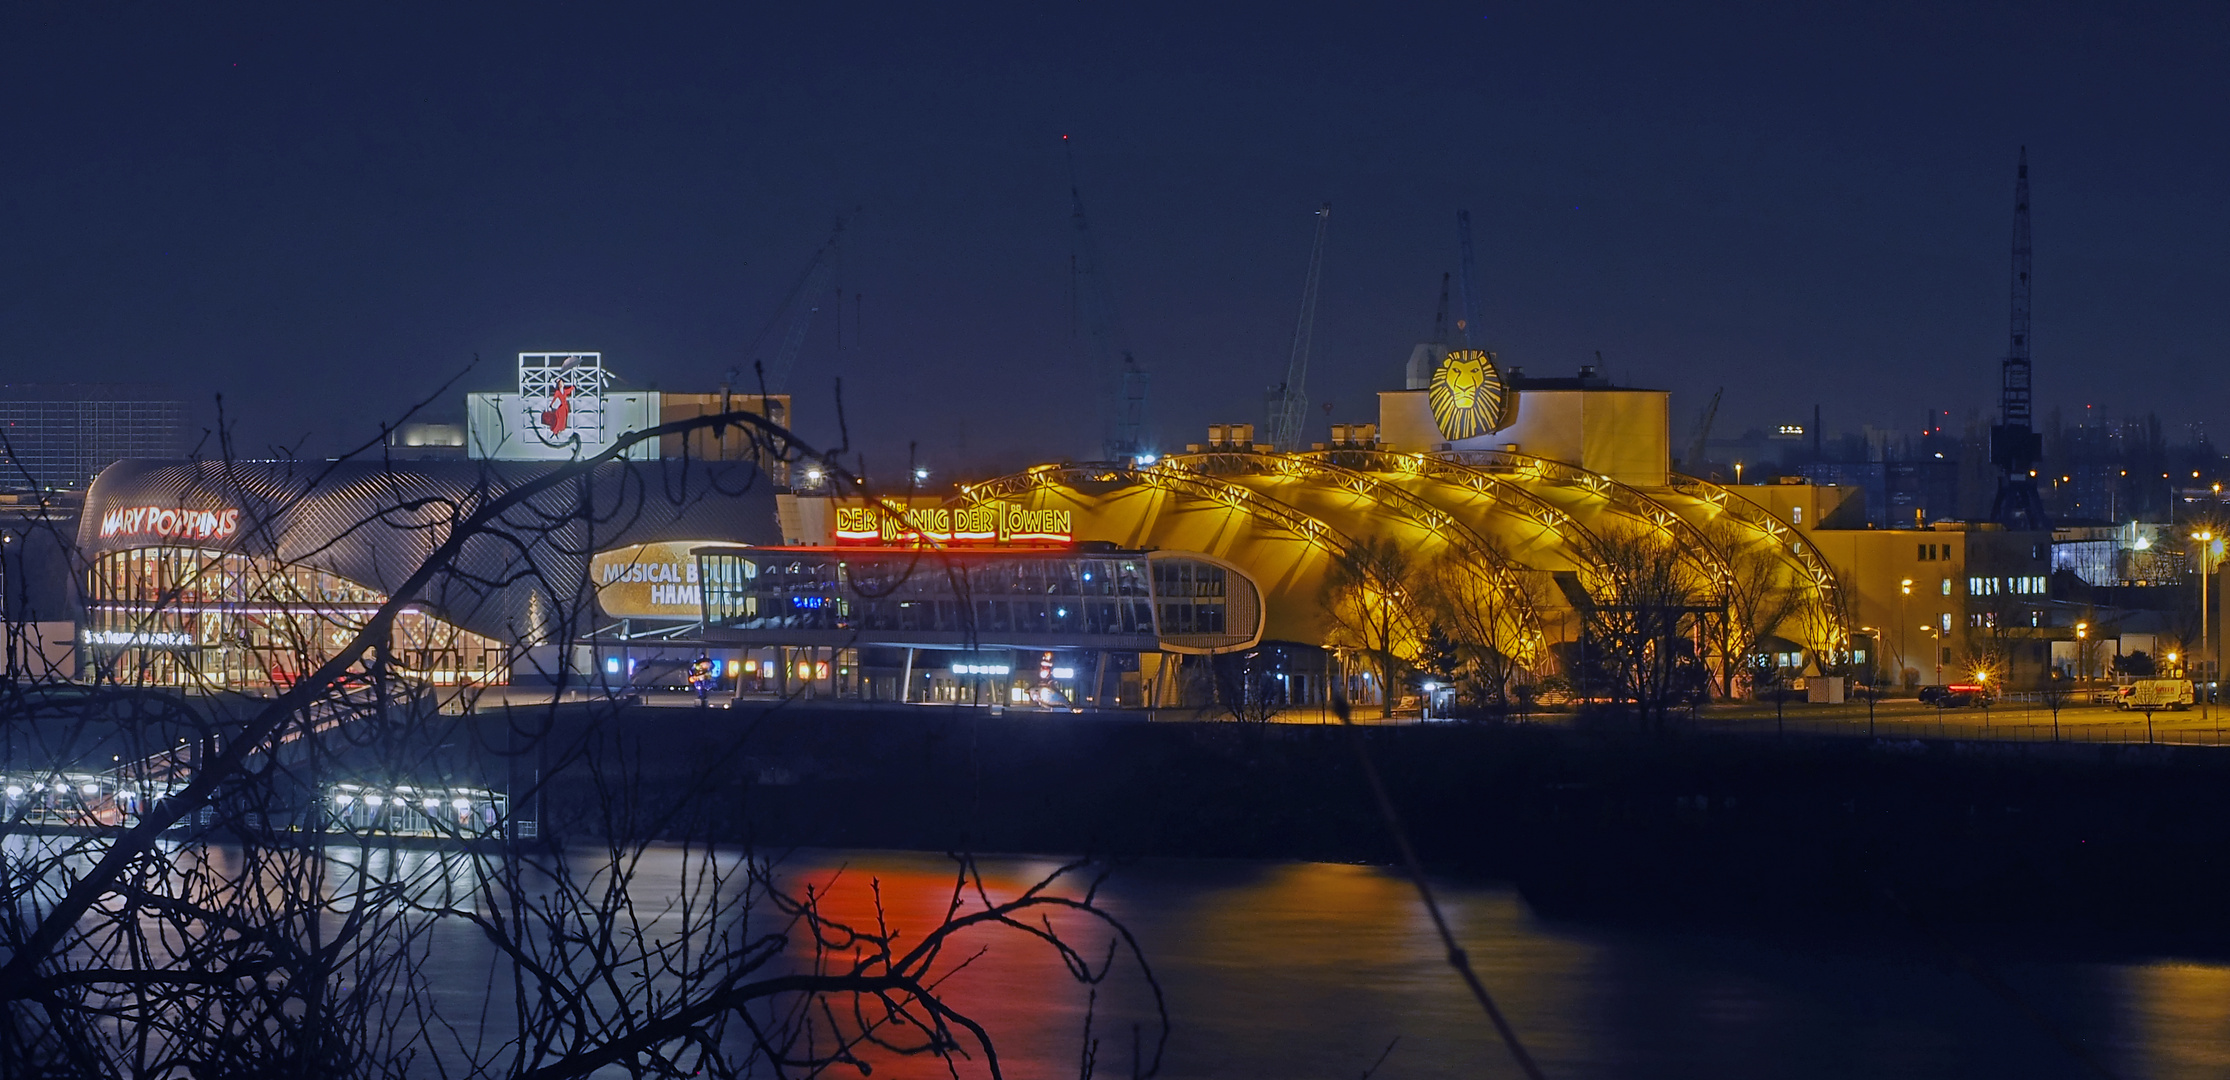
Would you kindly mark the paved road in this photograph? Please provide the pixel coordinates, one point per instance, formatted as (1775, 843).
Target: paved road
(1905, 718)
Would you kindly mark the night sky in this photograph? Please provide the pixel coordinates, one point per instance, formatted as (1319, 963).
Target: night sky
(324, 211)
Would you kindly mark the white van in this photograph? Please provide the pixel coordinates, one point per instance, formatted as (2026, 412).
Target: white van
(2151, 694)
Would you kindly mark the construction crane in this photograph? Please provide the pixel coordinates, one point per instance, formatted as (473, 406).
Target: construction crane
(1094, 324)
(802, 304)
(1474, 335)
(1289, 403)
(1696, 450)
(2015, 446)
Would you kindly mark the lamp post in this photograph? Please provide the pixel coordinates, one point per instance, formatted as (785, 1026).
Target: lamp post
(1904, 590)
(2082, 657)
(2206, 538)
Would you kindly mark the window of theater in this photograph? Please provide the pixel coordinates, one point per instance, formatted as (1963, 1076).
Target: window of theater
(1192, 596)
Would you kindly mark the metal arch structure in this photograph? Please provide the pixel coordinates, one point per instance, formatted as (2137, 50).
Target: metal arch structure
(1539, 511)
(1164, 476)
(1432, 519)
(1832, 621)
(1622, 497)
(1198, 485)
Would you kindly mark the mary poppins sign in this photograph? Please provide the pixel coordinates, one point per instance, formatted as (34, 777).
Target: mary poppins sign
(170, 522)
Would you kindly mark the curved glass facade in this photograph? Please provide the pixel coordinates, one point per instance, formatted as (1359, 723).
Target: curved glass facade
(181, 616)
(1116, 600)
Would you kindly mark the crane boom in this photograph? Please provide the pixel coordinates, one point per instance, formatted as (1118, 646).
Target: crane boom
(1474, 335)
(1123, 383)
(803, 305)
(1289, 402)
(1698, 448)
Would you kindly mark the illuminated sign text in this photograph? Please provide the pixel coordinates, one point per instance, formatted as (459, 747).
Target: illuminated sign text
(170, 522)
(983, 523)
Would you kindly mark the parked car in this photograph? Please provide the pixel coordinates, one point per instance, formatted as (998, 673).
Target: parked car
(1957, 695)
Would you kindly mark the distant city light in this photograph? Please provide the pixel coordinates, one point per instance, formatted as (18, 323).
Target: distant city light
(921, 475)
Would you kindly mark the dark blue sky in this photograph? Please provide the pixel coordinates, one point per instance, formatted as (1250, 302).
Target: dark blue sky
(323, 211)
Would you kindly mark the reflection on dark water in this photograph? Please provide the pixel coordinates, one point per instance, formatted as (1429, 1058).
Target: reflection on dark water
(1310, 970)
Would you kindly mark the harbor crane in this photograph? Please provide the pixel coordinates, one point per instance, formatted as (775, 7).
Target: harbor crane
(803, 303)
(1123, 383)
(1288, 401)
(2015, 446)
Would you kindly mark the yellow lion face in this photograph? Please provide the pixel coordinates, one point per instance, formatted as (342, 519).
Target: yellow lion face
(1468, 397)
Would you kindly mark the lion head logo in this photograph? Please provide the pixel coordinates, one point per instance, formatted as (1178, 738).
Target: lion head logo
(1469, 397)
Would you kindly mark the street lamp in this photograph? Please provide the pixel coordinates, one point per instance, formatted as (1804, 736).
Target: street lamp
(1904, 589)
(2082, 652)
(2206, 538)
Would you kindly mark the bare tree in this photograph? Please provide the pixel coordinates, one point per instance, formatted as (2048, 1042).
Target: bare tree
(1370, 599)
(1475, 614)
(1760, 594)
(222, 883)
(1642, 615)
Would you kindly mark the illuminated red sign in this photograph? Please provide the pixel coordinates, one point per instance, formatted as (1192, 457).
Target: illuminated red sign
(170, 522)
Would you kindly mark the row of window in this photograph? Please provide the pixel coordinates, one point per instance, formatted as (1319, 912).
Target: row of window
(2029, 585)
(1018, 596)
(196, 576)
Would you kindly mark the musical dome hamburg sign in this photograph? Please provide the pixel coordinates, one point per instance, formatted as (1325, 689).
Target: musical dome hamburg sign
(996, 524)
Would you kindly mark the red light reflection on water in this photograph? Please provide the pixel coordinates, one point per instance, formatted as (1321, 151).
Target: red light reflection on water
(1013, 984)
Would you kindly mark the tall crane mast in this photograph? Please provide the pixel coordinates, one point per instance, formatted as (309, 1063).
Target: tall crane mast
(1474, 335)
(1123, 383)
(803, 304)
(1289, 401)
(2015, 446)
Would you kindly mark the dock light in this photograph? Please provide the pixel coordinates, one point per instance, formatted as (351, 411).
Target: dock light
(374, 801)
(433, 804)
(1145, 460)
(921, 475)
(812, 475)
(460, 805)
(90, 789)
(343, 799)
(15, 791)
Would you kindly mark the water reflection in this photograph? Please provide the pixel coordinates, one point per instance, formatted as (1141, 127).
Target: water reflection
(1275, 969)
(1312, 969)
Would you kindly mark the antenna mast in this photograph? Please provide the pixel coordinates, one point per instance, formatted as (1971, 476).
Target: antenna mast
(2014, 444)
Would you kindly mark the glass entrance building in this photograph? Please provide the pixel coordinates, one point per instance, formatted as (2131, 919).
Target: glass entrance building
(1051, 626)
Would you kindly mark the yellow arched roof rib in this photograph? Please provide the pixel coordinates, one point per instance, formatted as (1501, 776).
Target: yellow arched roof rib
(1525, 504)
(1830, 628)
(1449, 528)
(1077, 483)
(1622, 498)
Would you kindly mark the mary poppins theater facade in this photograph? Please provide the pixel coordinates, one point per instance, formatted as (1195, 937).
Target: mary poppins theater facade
(246, 575)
